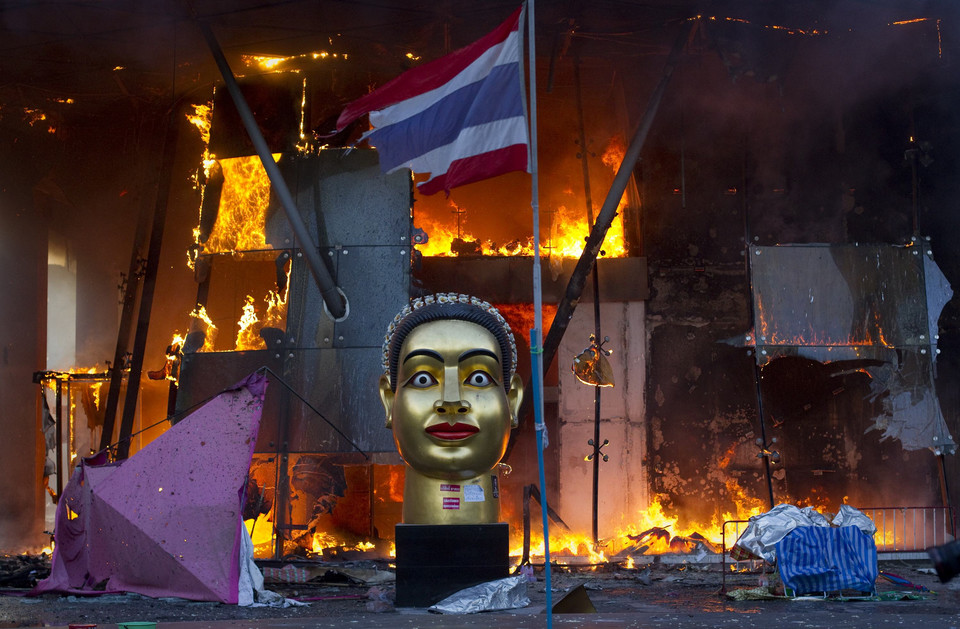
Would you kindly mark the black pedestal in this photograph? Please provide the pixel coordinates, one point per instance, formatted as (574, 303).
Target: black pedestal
(434, 561)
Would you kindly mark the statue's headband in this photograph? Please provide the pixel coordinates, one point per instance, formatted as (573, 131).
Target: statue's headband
(445, 306)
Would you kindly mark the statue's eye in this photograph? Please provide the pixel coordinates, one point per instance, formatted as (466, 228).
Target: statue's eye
(479, 379)
(421, 380)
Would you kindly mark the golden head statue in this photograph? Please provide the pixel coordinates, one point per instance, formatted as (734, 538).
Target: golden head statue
(451, 396)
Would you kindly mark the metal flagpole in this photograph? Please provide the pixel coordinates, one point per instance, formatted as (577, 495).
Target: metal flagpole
(536, 338)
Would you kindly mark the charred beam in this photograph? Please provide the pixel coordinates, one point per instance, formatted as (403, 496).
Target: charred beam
(130, 289)
(149, 285)
(609, 209)
(331, 295)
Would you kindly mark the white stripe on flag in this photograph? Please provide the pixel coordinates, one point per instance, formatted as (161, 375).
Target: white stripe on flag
(503, 53)
(471, 141)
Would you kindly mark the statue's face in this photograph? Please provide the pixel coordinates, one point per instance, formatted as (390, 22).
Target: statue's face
(450, 414)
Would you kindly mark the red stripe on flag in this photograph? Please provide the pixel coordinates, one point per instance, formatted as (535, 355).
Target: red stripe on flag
(427, 77)
(478, 167)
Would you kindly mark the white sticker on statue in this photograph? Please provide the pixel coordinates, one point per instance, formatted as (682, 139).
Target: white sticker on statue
(473, 493)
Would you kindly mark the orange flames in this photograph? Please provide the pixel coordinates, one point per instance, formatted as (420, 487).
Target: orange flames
(244, 198)
(243, 206)
(653, 533)
(250, 324)
(202, 321)
(870, 334)
(276, 63)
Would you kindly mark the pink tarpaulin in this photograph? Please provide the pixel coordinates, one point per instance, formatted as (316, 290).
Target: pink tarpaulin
(167, 521)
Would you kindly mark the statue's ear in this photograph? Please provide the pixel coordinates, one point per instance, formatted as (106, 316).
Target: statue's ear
(386, 396)
(514, 398)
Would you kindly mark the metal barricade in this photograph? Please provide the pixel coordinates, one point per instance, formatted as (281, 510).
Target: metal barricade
(738, 526)
(900, 531)
(911, 529)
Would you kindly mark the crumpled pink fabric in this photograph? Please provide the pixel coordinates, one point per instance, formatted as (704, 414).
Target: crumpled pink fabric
(168, 520)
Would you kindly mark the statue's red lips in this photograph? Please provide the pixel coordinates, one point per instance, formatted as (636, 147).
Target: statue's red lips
(455, 432)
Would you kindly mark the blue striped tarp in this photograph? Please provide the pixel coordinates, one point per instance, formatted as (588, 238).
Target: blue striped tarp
(827, 559)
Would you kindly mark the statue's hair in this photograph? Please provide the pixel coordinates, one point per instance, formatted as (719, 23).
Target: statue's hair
(442, 307)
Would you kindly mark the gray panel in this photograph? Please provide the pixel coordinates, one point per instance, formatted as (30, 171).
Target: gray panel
(335, 367)
(839, 296)
(343, 199)
(375, 280)
(863, 308)
(204, 375)
(341, 387)
(358, 204)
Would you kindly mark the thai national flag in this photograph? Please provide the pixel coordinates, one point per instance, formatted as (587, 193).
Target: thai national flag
(459, 118)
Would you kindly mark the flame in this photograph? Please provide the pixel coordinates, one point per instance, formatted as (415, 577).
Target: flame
(277, 307)
(201, 321)
(568, 229)
(788, 29)
(33, 116)
(277, 63)
(323, 540)
(870, 333)
(565, 237)
(614, 153)
(260, 530)
(243, 206)
(653, 532)
(202, 118)
(248, 336)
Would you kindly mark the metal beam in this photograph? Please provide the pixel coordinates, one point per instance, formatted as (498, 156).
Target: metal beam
(149, 285)
(328, 289)
(609, 209)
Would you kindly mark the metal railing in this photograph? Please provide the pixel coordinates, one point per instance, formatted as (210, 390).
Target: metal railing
(911, 529)
(899, 530)
(738, 526)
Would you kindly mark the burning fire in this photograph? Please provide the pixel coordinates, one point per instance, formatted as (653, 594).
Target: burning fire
(322, 540)
(653, 533)
(248, 336)
(275, 63)
(244, 201)
(869, 334)
(201, 321)
(244, 198)
(568, 229)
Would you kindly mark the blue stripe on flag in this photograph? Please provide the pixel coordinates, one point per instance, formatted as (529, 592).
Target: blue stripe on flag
(496, 97)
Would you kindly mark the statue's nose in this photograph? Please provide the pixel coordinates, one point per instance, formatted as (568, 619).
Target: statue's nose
(457, 407)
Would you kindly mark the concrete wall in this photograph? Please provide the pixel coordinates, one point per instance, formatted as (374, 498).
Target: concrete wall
(23, 259)
(623, 486)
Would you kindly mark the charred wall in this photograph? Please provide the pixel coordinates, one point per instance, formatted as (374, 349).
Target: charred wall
(23, 257)
(822, 142)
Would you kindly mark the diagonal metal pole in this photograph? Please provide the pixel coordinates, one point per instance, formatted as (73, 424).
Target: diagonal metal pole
(151, 268)
(331, 295)
(609, 209)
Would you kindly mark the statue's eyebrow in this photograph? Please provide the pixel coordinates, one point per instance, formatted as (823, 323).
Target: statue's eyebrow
(424, 352)
(470, 353)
